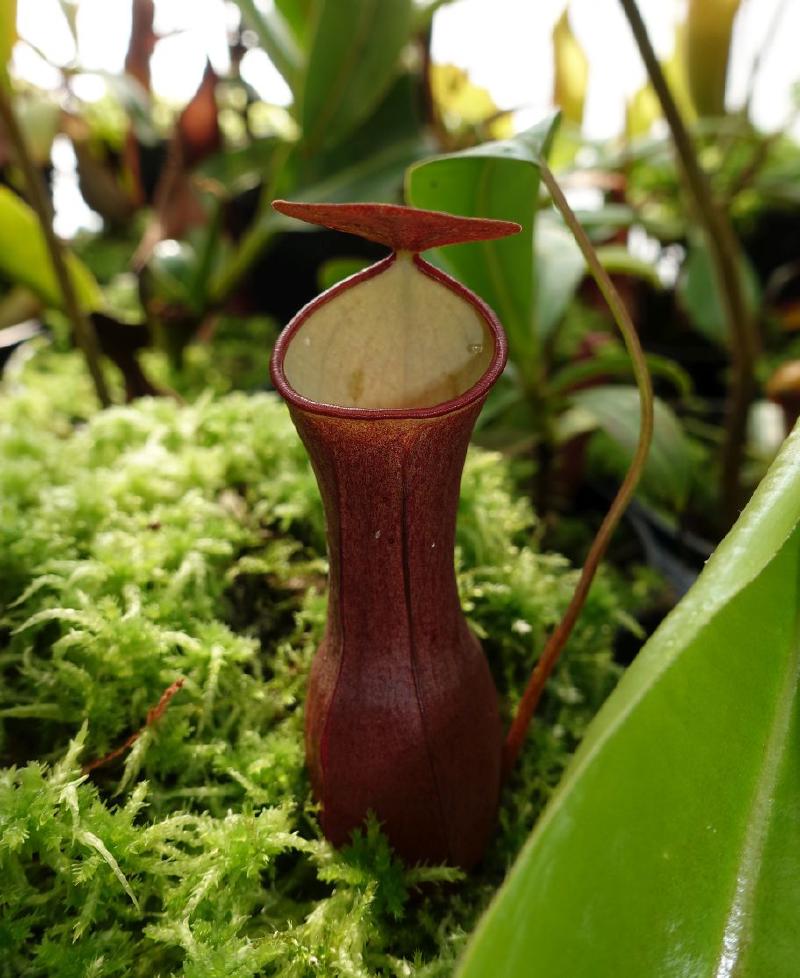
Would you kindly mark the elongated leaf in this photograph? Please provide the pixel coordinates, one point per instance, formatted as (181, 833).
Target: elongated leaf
(498, 179)
(559, 269)
(394, 120)
(351, 64)
(617, 260)
(699, 295)
(671, 847)
(616, 411)
(641, 112)
(8, 35)
(276, 38)
(709, 27)
(376, 178)
(571, 71)
(299, 15)
(25, 260)
(616, 362)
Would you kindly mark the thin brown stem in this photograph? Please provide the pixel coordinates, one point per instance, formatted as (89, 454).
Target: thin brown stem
(724, 252)
(82, 329)
(154, 714)
(557, 641)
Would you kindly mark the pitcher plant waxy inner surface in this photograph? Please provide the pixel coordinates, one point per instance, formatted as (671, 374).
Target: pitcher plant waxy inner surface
(384, 375)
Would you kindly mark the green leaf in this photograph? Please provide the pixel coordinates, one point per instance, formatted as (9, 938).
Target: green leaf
(276, 38)
(570, 70)
(616, 412)
(335, 269)
(706, 50)
(25, 260)
(8, 35)
(394, 128)
(617, 260)
(299, 15)
(374, 178)
(424, 11)
(671, 847)
(559, 269)
(615, 361)
(351, 63)
(698, 293)
(500, 180)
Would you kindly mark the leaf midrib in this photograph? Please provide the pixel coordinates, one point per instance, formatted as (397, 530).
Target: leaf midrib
(339, 84)
(737, 933)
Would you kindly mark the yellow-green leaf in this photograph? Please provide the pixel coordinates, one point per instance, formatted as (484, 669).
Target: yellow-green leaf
(8, 35)
(641, 111)
(709, 26)
(571, 71)
(25, 260)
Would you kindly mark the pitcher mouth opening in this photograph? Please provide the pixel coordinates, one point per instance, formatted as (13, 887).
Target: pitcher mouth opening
(353, 360)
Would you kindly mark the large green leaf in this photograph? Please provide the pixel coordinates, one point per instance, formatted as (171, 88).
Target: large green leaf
(395, 121)
(671, 848)
(615, 409)
(501, 180)
(25, 260)
(351, 63)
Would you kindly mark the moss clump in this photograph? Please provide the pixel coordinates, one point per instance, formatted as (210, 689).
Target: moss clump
(158, 541)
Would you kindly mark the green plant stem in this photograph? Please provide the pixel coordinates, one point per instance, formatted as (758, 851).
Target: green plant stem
(556, 642)
(82, 329)
(725, 254)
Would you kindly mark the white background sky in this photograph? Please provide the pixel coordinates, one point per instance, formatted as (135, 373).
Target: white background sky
(504, 44)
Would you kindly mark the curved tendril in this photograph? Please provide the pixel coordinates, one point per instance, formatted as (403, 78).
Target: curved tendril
(555, 644)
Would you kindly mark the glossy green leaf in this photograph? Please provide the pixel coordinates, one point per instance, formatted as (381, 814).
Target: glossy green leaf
(25, 260)
(699, 295)
(615, 410)
(351, 64)
(276, 38)
(500, 180)
(671, 847)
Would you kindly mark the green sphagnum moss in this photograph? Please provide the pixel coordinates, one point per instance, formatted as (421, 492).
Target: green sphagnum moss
(160, 541)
